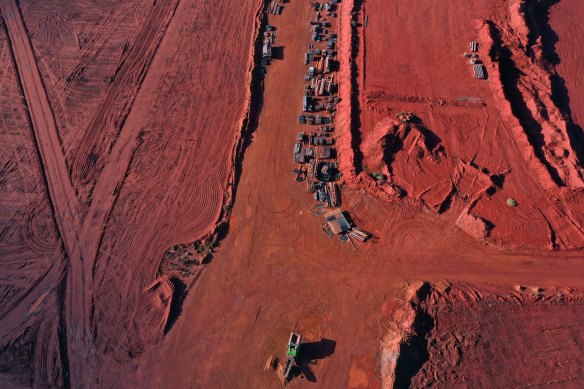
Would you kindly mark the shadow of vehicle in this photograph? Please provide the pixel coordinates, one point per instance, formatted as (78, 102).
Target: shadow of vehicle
(310, 354)
(278, 53)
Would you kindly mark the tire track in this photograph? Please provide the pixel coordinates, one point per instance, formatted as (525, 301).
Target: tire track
(61, 193)
(110, 117)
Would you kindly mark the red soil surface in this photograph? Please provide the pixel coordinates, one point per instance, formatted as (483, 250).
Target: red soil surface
(136, 110)
(276, 272)
(477, 143)
(148, 102)
(458, 335)
(565, 21)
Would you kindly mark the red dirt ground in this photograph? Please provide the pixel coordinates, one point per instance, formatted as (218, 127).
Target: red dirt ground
(477, 143)
(469, 336)
(123, 122)
(565, 19)
(123, 102)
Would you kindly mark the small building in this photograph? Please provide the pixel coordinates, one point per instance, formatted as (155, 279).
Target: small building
(311, 172)
(326, 171)
(320, 140)
(333, 194)
(474, 46)
(299, 157)
(267, 49)
(337, 221)
(321, 195)
(331, 44)
(309, 153)
(297, 148)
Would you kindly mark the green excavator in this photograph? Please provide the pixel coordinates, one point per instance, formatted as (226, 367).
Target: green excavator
(292, 354)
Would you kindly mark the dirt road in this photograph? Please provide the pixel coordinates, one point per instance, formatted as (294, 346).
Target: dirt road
(62, 194)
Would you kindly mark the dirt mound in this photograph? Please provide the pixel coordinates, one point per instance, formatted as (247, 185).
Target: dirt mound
(153, 310)
(412, 159)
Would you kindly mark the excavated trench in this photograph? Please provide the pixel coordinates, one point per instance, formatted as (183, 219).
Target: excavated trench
(413, 352)
(355, 105)
(509, 77)
(538, 21)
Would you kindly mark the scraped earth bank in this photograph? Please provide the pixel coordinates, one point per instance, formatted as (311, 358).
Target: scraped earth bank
(499, 158)
(446, 335)
(565, 31)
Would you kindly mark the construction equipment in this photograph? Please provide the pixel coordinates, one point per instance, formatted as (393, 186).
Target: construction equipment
(267, 49)
(292, 353)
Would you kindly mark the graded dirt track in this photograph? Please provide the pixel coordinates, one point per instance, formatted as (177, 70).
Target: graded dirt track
(31, 255)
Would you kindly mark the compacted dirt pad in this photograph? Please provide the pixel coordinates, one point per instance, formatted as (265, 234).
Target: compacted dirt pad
(121, 126)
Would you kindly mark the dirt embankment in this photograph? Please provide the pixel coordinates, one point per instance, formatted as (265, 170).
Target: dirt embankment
(523, 75)
(401, 350)
(442, 335)
(348, 107)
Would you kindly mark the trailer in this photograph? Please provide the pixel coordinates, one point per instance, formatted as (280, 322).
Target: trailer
(307, 104)
(267, 48)
(333, 194)
(479, 71)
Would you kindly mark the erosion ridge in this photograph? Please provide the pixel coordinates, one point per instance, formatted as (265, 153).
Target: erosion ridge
(348, 48)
